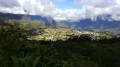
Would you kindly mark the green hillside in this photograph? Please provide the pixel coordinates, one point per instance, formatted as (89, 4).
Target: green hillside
(21, 47)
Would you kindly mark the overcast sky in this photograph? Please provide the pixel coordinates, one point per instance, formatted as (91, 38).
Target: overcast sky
(63, 9)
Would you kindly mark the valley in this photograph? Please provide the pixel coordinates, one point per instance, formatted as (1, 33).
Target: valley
(27, 42)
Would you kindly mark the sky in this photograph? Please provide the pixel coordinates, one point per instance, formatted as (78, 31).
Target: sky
(63, 9)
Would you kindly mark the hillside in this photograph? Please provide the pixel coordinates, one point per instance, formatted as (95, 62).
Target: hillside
(49, 21)
(38, 30)
(17, 51)
(63, 33)
(29, 42)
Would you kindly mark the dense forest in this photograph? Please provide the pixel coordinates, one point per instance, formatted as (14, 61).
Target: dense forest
(17, 51)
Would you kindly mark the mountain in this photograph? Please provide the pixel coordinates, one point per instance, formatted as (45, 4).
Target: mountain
(100, 22)
(48, 20)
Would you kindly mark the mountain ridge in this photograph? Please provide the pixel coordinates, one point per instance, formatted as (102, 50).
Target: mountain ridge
(99, 22)
(49, 21)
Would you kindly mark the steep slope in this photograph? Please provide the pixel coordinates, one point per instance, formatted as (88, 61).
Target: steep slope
(48, 20)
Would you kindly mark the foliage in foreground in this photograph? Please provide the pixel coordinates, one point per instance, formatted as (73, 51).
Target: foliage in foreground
(17, 51)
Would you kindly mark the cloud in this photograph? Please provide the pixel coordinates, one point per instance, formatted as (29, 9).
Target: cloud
(9, 3)
(90, 8)
(93, 8)
(11, 6)
(96, 3)
(47, 8)
(15, 10)
(116, 17)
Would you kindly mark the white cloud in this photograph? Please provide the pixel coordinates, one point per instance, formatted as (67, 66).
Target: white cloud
(8, 3)
(96, 3)
(90, 9)
(47, 8)
(15, 10)
(94, 8)
(116, 17)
